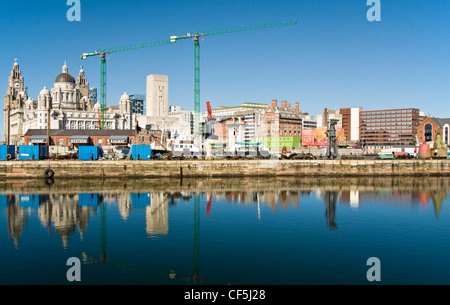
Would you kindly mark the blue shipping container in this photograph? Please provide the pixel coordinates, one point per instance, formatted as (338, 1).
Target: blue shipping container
(29, 201)
(141, 152)
(87, 153)
(6, 200)
(3, 201)
(88, 199)
(6, 150)
(140, 200)
(33, 152)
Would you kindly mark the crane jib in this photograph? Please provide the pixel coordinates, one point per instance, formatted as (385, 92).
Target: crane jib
(172, 39)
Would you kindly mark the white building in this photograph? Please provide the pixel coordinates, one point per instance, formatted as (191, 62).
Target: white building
(250, 113)
(67, 105)
(157, 95)
(157, 109)
(183, 122)
(308, 121)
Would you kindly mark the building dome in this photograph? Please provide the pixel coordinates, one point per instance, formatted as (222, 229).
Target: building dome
(44, 91)
(65, 78)
(97, 106)
(125, 97)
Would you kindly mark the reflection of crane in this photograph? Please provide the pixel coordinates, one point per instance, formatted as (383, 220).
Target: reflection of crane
(196, 237)
(209, 202)
(330, 198)
(196, 37)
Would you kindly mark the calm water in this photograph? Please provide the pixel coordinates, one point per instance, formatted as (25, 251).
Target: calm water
(226, 231)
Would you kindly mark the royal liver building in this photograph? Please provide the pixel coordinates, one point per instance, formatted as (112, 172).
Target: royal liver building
(66, 106)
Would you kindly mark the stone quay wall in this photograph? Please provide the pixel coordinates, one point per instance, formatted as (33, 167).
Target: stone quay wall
(222, 168)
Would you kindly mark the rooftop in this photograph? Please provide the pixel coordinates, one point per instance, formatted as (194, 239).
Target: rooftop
(80, 132)
(440, 122)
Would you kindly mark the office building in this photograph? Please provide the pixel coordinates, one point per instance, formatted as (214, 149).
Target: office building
(350, 123)
(387, 128)
(137, 103)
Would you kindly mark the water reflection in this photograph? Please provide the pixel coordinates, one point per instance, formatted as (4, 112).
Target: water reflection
(330, 199)
(68, 208)
(205, 228)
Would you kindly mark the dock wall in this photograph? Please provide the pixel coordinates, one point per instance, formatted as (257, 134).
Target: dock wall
(222, 168)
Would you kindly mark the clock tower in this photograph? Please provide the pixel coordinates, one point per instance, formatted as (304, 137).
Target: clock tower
(15, 95)
(15, 86)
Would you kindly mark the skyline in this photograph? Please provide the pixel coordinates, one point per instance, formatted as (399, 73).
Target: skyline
(332, 58)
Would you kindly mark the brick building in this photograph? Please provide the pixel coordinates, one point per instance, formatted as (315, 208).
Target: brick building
(281, 126)
(387, 128)
(350, 123)
(155, 138)
(76, 137)
(429, 128)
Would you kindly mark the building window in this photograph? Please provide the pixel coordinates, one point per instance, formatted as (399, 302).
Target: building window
(100, 141)
(61, 141)
(446, 135)
(428, 132)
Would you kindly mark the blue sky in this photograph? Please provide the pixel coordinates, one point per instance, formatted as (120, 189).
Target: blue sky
(334, 57)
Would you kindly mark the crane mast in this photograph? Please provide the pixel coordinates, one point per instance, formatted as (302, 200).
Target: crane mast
(102, 53)
(196, 37)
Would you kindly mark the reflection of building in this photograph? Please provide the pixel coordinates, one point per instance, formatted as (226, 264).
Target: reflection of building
(65, 214)
(274, 199)
(17, 218)
(157, 215)
(349, 197)
(124, 203)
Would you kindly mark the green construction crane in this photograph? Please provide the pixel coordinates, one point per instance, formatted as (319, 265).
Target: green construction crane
(196, 36)
(102, 53)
